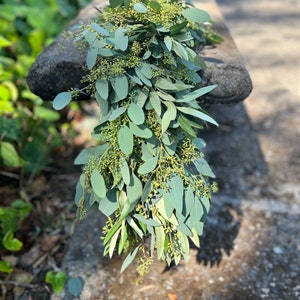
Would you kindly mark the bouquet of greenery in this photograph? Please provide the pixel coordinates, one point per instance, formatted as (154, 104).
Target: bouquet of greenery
(147, 174)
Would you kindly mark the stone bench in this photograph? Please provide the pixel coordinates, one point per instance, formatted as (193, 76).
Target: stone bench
(61, 66)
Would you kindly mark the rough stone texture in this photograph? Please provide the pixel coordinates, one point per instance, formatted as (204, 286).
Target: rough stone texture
(61, 66)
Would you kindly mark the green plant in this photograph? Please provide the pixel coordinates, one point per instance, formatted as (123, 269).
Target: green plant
(10, 218)
(148, 174)
(27, 26)
(57, 280)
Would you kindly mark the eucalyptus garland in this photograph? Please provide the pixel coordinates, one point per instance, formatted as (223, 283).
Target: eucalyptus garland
(147, 174)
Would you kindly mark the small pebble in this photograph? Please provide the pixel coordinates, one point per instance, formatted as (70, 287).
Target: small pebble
(277, 250)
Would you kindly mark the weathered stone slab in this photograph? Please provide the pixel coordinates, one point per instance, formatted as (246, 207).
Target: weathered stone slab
(61, 66)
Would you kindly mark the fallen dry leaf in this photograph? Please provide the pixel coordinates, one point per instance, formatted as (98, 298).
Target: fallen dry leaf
(172, 296)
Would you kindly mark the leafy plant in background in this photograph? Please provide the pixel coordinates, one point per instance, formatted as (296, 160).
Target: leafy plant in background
(10, 218)
(27, 26)
(148, 174)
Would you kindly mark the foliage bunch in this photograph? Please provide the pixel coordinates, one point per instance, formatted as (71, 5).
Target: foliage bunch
(148, 174)
(9, 223)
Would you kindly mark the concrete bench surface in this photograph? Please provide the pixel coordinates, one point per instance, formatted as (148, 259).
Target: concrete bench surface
(61, 66)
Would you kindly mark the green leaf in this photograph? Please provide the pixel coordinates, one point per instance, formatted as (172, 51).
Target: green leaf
(199, 143)
(175, 29)
(155, 102)
(168, 42)
(135, 227)
(136, 114)
(5, 267)
(56, 280)
(109, 204)
(176, 192)
(116, 113)
(198, 114)
(140, 130)
(62, 100)
(115, 3)
(86, 154)
(102, 88)
(196, 15)
(125, 172)
(146, 190)
(160, 239)
(142, 77)
(180, 50)
(123, 238)
(168, 116)
(92, 56)
(103, 104)
(148, 166)
(11, 243)
(149, 222)
(186, 126)
(9, 155)
(100, 29)
(75, 286)
(4, 42)
(165, 206)
(165, 84)
(146, 70)
(121, 40)
(189, 200)
(98, 184)
(203, 167)
(195, 238)
(120, 85)
(196, 94)
(154, 5)
(134, 189)
(140, 8)
(125, 140)
(113, 242)
(129, 259)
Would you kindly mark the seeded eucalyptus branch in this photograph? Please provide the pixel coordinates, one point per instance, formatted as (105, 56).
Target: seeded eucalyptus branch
(147, 174)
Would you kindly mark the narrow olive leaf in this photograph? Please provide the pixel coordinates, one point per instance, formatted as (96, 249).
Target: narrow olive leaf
(140, 130)
(155, 102)
(203, 167)
(120, 85)
(135, 227)
(100, 29)
(196, 94)
(136, 114)
(121, 40)
(175, 29)
(185, 125)
(146, 190)
(180, 50)
(125, 140)
(140, 8)
(123, 238)
(148, 166)
(125, 172)
(98, 184)
(61, 100)
(197, 114)
(102, 88)
(129, 259)
(113, 242)
(149, 222)
(196, 15)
